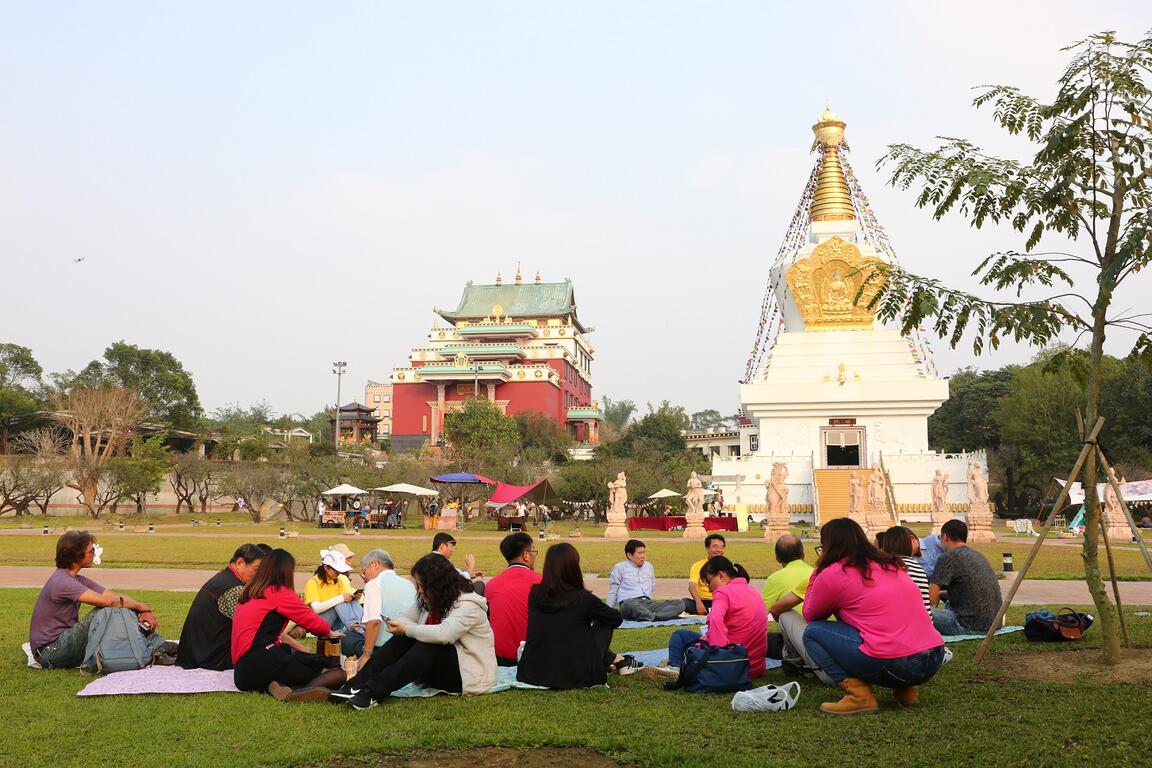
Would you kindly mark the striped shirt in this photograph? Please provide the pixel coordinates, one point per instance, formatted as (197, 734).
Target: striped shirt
(919, 578)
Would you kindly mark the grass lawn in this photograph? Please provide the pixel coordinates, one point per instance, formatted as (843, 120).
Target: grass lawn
(968, 717)
(179, 546)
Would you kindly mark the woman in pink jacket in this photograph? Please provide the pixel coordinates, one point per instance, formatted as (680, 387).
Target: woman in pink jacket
(883, 635)
(738, 616)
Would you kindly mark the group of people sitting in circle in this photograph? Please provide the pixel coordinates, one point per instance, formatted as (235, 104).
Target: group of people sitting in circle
(865, 615)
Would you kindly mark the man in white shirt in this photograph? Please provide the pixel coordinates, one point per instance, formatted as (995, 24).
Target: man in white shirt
(444, 543)
(386, 594)
(630, 587)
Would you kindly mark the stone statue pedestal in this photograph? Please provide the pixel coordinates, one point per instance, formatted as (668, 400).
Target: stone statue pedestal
(980, 523)
(617, 526)
(695, 527)
(875, 521)
(939, 518)
(1116, 525)
(777, 526)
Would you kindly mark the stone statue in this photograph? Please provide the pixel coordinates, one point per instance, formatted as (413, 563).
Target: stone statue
(1116, 525)
(694, 499)
(877, 517)
(617, 514)
(777, 500)
(979, 513)
(856, 501)
(940, 513)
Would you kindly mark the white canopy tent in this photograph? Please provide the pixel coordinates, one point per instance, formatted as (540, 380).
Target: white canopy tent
(415, 490)
(664, 493)
(344, 490)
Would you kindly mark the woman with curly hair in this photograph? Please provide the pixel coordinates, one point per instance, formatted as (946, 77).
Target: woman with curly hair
(443, 641)
(883, 635)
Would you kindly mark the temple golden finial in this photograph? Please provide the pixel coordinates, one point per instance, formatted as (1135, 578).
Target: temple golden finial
(519, 277)
(831, 201)
(499, 279)
(537, 277)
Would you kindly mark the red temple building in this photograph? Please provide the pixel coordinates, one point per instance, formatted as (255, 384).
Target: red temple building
(520, 346)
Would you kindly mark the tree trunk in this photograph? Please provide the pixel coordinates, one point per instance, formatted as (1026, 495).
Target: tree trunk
(1106, 611)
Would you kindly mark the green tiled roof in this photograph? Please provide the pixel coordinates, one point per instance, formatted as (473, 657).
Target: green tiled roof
(526, 300)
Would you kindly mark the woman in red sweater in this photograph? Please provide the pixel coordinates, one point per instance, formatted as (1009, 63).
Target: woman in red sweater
(262, 663)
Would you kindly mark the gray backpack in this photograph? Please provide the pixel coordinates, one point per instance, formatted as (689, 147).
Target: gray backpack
(116, 644)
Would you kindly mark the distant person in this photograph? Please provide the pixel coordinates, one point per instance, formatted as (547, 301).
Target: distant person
(507, 595)
(882, 635)
(444, 543)
(386, 593)
(973, 590)
(432, 515)
(205, 640)
(443, 641)
(262, 662)
(569, 629)
(631, 584)
(699, 598)
(737, 616)
(57, 634)
(783, 596)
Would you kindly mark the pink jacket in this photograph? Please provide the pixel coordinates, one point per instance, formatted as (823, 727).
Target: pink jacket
(738, 615)
(887, 609)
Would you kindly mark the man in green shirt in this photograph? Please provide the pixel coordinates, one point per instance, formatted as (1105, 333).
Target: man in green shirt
(783, 593)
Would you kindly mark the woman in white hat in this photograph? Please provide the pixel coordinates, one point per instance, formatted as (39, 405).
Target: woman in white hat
(329, 593)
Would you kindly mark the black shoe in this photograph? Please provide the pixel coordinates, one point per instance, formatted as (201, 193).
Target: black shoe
(792, 669)
(343, 693)
(627, 665)
(361, 700)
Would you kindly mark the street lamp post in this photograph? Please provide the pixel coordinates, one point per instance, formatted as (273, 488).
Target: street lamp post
(475, 382)
(338, 369)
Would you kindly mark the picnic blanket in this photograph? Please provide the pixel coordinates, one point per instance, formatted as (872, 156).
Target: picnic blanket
(180, 680)
(666, 623)
(980, 635)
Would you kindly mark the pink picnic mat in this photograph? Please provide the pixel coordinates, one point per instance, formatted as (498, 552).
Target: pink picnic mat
(161, 680)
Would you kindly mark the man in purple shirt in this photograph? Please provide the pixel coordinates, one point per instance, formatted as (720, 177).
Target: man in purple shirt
(57, 634)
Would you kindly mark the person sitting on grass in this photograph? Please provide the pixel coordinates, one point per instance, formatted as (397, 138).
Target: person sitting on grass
(507, 595)
(444, 543)
(261, 662)
(630, 587)
(205, 640)
(569, 629)
(738, 616)
(897, 540)
(883, 635)
(329, 593)
(443, 641)
(783, 595)
(974, 596)
(57, 634)
(386, 593)
(699, 598)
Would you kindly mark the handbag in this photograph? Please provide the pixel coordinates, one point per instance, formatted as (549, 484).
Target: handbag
(1047, 627)
(713, 669)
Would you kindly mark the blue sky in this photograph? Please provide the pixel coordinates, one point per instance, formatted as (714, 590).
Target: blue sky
(263, 188)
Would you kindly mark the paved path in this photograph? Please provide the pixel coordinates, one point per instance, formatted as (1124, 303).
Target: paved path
(1032, 591)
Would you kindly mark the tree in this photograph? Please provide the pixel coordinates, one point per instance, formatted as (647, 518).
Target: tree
(192, 477)
(19, 380)
(542, 439)
(100, 423)
(618, 412)
(477, 427)
(1088, 181)
(141, 473)
(254, 481)
(708, 419)
(157, 376)
(965, 419)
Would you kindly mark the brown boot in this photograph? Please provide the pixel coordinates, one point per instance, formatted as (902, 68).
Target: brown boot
(907, 697)
(858, 699)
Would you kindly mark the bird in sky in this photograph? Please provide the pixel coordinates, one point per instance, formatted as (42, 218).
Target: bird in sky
(77, 261)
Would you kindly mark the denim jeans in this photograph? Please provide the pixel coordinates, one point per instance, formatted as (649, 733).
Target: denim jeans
(342, 617)
(677, 643)
(946, 623)
(67, 650)
(834, 647)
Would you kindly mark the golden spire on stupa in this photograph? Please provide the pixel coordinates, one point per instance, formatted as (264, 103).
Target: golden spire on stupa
(831, 201)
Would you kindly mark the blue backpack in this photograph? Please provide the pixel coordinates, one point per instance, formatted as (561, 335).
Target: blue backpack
(713, 668)
(116, 643)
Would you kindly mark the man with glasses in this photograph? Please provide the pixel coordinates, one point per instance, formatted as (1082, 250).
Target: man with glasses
(507, 595)
(57, 634)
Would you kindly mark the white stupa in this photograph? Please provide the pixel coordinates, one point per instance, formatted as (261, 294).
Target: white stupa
(831, 390)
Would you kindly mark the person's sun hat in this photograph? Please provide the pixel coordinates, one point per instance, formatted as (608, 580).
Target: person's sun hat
(335, 560)
(342, 549)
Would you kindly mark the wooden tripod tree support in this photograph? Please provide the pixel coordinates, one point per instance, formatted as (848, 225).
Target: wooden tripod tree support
(1091, 448)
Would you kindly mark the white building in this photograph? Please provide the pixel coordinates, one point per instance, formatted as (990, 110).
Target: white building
(837, 391)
